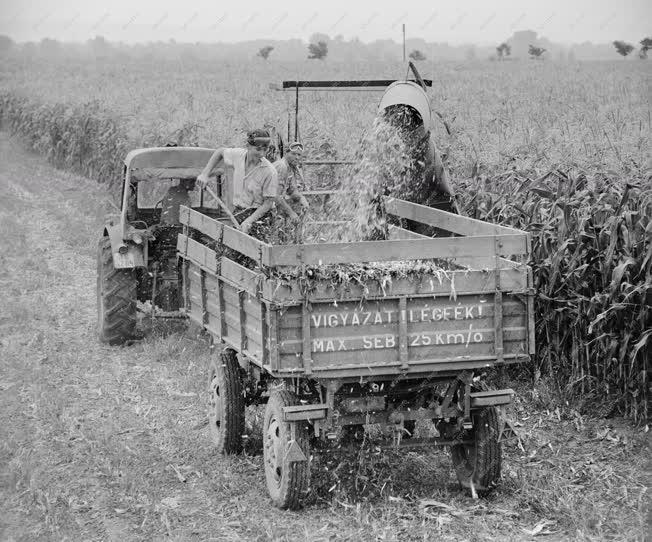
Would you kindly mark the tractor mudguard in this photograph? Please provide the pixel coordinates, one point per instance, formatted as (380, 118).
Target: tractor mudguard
(130, 259)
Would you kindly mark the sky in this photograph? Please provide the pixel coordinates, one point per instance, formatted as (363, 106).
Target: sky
(455, 22)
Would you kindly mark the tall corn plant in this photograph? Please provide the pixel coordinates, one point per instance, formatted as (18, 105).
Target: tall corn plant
(592, 261)
(84, 137)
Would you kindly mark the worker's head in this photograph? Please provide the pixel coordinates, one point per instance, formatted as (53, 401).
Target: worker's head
(294, 153)
(258, 142)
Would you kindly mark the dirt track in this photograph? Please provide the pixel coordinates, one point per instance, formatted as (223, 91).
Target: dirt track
(102, 443)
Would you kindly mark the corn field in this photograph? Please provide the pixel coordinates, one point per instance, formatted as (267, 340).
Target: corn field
(559, 150)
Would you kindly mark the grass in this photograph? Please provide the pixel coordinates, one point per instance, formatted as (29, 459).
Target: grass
(104, 443)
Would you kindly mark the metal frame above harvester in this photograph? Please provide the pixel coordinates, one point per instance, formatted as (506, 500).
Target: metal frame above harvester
(358, 85)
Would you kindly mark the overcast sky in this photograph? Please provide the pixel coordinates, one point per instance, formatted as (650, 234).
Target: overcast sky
(457, 21)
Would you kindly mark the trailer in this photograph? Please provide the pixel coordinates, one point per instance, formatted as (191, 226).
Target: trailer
(329, 359)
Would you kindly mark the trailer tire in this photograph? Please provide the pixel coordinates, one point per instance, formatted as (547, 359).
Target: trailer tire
(226, 407)
(479, 464)
(287, 481)
(116, 298)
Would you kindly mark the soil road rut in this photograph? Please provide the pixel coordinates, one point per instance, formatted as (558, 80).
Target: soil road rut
(103, 443)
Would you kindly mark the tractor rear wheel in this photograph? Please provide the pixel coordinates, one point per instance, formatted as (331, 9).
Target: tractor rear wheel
(116, 298)
(226, 403)
(478, 463)
(286, 453)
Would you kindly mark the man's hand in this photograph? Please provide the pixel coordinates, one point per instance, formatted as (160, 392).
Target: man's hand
(294, 217)
(304, 204)
(202, 181)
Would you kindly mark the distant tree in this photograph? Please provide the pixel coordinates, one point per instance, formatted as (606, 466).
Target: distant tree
(319, 36)
(417, 55)
(264, 52)
(646, 45)
(535, 52)
(99, 46)
(6, 43)
(503, 50)
(623, 48)
(318, 50)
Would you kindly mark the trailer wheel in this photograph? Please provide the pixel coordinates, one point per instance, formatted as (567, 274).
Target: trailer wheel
(226, 403)
(287, 478)
(478, 464)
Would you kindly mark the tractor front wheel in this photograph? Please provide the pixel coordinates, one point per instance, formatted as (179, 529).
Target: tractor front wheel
(116, 298)
(478, 463)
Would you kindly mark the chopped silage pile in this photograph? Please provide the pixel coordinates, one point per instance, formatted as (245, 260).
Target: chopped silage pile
(390, 160)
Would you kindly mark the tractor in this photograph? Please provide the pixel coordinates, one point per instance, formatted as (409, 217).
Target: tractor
(137, 252)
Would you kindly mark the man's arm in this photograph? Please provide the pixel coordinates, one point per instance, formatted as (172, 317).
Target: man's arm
(203, 178)
(283, 205)
(270, 191)
(258, 213)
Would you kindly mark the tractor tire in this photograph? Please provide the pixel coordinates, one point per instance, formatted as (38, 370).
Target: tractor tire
(116, 298)
(478, 464)
(226, 403)
(287, 480)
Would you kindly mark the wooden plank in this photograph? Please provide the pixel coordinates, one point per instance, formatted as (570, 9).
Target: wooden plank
(464, 282)
(186, 283)
(204, 304)
(396, 232)
(402, 333)
(272, 324)
(421, 367)
(221, 320)
(486, 263)
(235, 239)
(247, 245)
(197, 253)
(469, 263)
(243, 320)
(412, 249)
(444, 220)
(530, 314)
(498, 324)
(264, 332)
(248, 280)
(306, 344)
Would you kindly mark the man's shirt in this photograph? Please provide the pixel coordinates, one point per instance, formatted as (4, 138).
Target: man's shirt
(250, 189)
(289, 177)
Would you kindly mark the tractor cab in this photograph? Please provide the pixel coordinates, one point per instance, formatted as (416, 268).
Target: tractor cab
(137, 254)
(152, 174)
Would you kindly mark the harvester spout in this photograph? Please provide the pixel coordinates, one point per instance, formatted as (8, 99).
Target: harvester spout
(406, 108)
(410, 94)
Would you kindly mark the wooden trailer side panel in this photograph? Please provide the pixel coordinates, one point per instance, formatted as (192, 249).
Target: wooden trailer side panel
(222, 298)
(403, 334)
